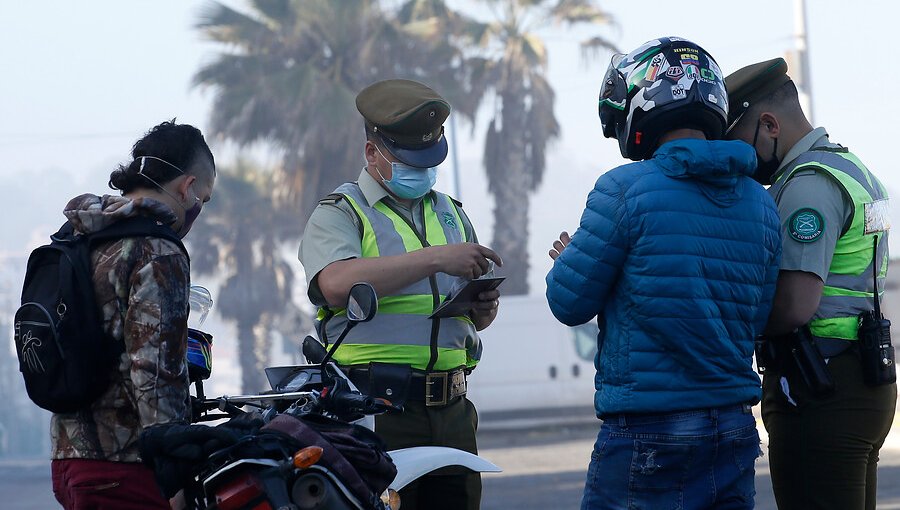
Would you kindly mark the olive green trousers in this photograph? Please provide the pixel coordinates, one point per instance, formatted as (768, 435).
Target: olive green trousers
(453, 425)
(823, 453)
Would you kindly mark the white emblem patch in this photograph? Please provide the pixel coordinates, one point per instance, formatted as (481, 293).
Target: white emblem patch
(878, 216)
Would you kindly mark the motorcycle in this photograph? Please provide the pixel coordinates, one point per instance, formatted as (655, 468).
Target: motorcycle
(311, 445)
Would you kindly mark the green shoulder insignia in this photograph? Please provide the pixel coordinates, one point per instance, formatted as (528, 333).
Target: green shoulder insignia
(331, 199)
(806, 225)
(449, 221)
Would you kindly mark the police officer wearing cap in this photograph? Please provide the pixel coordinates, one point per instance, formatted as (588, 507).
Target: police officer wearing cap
(823, 445)
(412, 243)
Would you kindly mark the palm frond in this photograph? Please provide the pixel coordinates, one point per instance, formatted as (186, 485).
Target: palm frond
(221, 23)
(572, 12)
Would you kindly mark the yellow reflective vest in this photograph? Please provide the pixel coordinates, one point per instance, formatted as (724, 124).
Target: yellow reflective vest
(401, 331)
(849, 287)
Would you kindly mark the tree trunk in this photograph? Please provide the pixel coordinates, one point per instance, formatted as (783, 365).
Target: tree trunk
(512, 186)
(252, 379)
(511, 235)
(262, 347)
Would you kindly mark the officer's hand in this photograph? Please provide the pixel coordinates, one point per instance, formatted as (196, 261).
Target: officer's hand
(560, 244)
(487, 302)
(466, 260)
(484, 310)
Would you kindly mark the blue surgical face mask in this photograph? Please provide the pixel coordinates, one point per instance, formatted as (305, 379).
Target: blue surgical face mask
(408, 182)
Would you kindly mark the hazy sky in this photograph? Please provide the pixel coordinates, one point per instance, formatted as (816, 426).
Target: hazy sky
(83, 80)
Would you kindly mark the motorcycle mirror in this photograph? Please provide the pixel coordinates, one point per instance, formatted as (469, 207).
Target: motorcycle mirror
(361, 307)
(363, 303)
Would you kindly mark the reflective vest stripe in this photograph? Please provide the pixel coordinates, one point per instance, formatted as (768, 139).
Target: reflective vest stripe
(368, 243)
(836, 291)
(362, 354)
(395, 329)
(410, 240)
(845, 328)
(459, 222)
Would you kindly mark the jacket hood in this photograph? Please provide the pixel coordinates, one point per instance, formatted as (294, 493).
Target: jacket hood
(716, 165)
(89, 213)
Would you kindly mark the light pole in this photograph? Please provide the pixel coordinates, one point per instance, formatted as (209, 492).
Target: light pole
(801, 74)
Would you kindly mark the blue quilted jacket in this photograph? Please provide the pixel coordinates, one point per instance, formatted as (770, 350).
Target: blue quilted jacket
(677, 257)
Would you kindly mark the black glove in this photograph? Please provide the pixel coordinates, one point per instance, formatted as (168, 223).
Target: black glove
(176, 452)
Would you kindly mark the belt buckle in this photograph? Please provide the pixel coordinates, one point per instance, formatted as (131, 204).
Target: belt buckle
(430, 379)
(457, 384)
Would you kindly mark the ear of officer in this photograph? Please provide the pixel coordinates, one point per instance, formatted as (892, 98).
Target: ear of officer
(772, 129)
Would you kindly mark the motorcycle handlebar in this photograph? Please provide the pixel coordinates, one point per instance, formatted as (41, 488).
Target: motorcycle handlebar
(346, 402)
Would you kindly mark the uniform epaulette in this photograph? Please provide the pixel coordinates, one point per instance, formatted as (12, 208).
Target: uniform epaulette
(839, 149)
(455, 201)
(331, 199)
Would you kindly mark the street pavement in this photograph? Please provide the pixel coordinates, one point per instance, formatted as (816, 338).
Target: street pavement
(544, 468)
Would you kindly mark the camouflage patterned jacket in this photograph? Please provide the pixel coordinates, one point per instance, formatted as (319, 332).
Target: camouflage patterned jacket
(141, 287)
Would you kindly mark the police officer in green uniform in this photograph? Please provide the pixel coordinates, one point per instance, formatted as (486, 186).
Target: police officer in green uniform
(413, 244)
(823, 449)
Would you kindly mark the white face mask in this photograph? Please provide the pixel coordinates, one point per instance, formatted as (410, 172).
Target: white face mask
(408, 182)
(190, 213)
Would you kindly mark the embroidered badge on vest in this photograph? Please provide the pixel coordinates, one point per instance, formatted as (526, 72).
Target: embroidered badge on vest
(448, 219)
(806, 225)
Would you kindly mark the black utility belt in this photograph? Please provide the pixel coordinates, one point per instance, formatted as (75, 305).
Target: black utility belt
(808, 355)
(400, 383)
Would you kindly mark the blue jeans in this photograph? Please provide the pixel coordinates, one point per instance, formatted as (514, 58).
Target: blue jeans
(683, 460)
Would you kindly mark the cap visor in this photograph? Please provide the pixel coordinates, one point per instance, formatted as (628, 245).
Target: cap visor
(419, 158)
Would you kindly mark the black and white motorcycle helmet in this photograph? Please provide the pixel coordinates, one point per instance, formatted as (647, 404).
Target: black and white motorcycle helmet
(666, 83)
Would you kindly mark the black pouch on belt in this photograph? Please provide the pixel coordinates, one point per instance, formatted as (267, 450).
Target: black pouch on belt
(390, 382)
(875, 350)
(764, 347)
(810, 363)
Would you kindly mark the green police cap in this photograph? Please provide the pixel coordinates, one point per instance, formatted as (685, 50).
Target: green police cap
(749, 84)
(408, 116)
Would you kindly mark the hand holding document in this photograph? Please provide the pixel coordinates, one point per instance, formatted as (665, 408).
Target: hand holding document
(463, 295)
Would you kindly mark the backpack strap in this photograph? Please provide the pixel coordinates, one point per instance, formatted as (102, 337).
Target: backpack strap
(139, 226)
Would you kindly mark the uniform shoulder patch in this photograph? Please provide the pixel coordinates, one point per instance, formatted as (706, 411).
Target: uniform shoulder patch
(806, 225)
(331, 199)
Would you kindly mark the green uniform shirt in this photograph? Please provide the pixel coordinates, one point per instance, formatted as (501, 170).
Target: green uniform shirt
(333, 231)
(816, 191)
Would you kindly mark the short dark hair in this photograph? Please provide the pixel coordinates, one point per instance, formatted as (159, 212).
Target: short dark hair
(181, 145)
(783, 99)
(372, 136)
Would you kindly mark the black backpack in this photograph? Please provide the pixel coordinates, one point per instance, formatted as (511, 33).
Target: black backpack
(64, 355)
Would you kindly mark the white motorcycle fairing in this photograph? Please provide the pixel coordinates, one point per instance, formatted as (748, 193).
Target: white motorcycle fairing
(418, 461)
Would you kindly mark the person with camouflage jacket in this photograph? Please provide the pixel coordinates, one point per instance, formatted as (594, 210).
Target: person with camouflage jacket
(141, 288)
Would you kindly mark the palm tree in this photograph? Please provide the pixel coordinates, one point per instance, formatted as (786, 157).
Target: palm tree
(512, 63)
(290, 75)
(237, 238)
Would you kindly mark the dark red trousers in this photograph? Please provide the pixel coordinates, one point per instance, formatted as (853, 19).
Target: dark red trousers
(82, 484)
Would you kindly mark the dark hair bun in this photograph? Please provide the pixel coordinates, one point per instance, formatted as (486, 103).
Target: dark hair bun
(127, 180)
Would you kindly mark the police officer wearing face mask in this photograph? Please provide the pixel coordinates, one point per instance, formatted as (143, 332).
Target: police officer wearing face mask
(823, 446)
(412, 243)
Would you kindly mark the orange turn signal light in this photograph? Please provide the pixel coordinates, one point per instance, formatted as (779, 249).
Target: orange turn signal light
(307, 456)
(391, 498)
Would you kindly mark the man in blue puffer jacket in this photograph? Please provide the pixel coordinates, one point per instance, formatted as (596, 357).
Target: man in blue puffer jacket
(677, 256)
